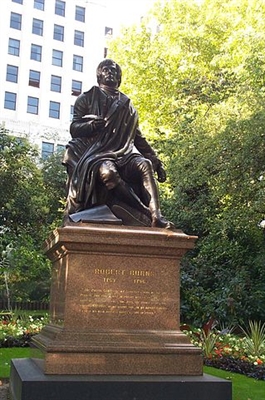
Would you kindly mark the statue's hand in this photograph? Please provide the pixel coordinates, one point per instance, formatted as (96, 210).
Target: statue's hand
(97, 124)
(161, 173)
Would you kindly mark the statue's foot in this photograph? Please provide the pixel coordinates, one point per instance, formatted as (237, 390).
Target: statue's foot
(161, 222)
(67, 221)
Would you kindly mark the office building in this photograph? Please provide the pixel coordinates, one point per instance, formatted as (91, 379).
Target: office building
(49, 53)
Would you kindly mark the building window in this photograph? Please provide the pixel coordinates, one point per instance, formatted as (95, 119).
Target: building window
(10, 100)
(76, 88)
(14, 47)
(60, 8)
(34, 78)
(57, 58)
(37, 27)
(11, 73)
(35, 52)
(15, 21)
(58, 32)
(79, 38)
(80, 13)
(71, 112)
(54, 111)
(47, 149)
(60, 148)
(56, 83)
(78, 63)
(39, 4)
(108, 31)
(33, 105)
(18, 1)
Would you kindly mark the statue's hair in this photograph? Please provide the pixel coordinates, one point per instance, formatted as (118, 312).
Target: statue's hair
(105, 62)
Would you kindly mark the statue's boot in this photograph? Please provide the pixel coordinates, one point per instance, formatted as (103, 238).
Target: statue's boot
(127, 195)
(158, 221)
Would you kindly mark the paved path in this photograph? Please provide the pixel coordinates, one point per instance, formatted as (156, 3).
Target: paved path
(3, 391)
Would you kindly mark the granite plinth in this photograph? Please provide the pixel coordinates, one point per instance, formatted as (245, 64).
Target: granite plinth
(115, 303)
(27, 382)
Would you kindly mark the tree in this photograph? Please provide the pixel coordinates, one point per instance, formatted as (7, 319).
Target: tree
(23, 200)
(27, 211)
(197, 80)
(54, 180)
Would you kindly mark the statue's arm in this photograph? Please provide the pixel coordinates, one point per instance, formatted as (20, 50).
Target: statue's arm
(84, 124)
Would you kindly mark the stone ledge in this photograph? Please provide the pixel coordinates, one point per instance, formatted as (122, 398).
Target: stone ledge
(29, 383)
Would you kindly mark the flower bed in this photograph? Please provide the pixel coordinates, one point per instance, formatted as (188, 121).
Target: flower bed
(225, 350)
(221, 348)
(17, 330)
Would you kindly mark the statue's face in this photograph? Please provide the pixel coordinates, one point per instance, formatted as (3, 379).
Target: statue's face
(109, 75)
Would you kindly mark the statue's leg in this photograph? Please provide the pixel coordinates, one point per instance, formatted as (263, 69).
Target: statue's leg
(145, 168)
(109, 175)
(72, 205)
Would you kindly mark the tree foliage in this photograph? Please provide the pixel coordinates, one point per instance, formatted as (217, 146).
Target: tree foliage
(196, 74)
(30, 195)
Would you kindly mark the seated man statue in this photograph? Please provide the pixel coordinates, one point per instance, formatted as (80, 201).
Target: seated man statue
(108, 161)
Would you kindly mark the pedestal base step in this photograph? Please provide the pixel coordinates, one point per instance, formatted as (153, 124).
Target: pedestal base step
(28, 382)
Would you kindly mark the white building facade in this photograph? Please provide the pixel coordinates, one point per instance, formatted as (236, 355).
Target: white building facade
(49, 53)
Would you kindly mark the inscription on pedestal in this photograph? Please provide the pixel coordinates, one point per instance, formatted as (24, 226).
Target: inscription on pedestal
(131, 302)
(126, 295)
(110, 300)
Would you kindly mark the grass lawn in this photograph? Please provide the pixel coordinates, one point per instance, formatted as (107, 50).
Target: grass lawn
(243, 388)
(6, 354)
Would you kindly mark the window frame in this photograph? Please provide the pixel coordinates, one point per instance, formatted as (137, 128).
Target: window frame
(37, 30)
(60, 6)
(58, 32)
(32, 81)
(39, 4)
(33, 108)
(53, 112)
(80, 14)
(57, 58)
(10, 101)
(71, 112)
(76, 64)
(79, 40)
(16, 49)
(38, 53)
(76, 90)
(56, 83)
(10, 74)
(108, 31)
(15, 24)
(60, 148)
(45, 153)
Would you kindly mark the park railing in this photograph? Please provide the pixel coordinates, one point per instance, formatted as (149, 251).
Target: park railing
(25, 305)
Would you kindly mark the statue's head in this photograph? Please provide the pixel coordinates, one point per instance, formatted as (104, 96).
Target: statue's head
(109, 73)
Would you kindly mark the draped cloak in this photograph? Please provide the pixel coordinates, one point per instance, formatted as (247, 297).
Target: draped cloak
(117, 141)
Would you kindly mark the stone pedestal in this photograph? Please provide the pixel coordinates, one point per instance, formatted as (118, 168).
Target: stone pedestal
(27, 382)
(114, 332)
(115, 303)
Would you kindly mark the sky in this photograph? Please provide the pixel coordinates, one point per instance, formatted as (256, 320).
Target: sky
(127, 12)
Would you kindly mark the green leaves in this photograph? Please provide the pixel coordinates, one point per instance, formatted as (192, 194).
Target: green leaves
(255, 338)
(30, 207)
(196, 75)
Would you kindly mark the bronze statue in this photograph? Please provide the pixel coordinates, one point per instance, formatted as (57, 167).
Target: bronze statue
(108, 160)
